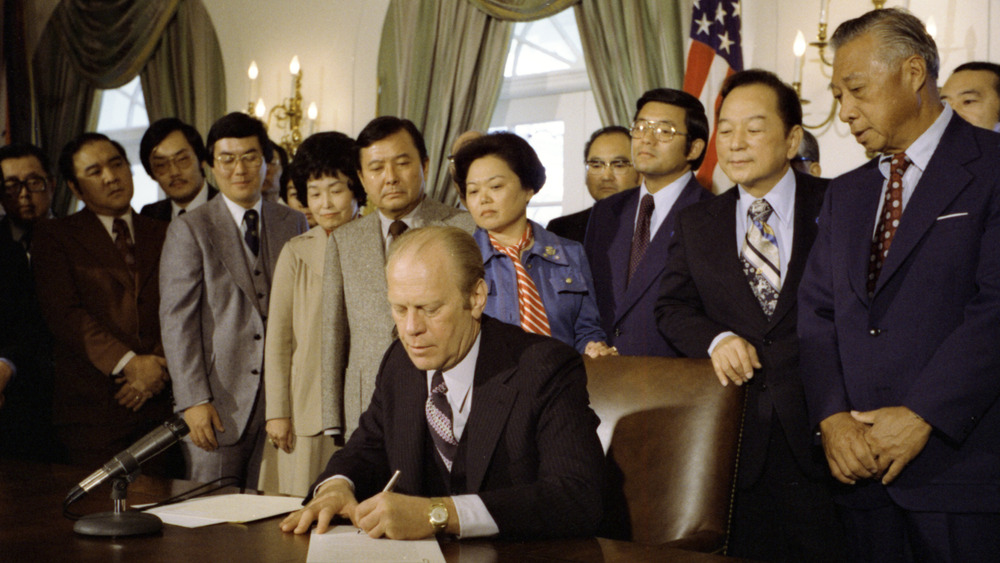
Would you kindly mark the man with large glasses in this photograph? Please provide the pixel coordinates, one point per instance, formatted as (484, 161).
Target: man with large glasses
(629, 232)
(27, 192)
(215, 279)
(608, 159)
(173, 154)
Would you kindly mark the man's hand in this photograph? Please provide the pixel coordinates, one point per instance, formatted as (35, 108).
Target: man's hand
(597, 349)
(142, 378)
(333, 498)
(847, 452)
(734, 359)
(281, 433)
(398, 517)
(5, 376)
(203, 420)
(896, 436)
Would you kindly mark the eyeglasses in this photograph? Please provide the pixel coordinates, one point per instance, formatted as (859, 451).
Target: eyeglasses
(619, 167)
(183, 161)
(34, 184)
(661, 132)
(250, 160)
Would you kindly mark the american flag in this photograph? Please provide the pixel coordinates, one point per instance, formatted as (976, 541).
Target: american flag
(715, 53)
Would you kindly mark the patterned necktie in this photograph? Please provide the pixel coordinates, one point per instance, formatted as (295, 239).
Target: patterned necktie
(396, 228)
(123, 240)
(529, 302)
(759, 256)
(640, 238)
(888, 221)
(252, 234)
(438, 412)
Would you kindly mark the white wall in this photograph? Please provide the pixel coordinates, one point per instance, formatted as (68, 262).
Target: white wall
(337, 43)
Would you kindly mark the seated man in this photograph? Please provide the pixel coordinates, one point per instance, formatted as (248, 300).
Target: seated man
(466, 406)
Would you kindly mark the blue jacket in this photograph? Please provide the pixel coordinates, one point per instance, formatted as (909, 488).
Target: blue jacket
(561, 273)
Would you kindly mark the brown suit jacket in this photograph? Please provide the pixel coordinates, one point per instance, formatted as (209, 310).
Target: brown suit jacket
(97, 312)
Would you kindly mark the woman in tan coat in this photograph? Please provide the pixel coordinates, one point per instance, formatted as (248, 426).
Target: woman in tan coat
(325, 176)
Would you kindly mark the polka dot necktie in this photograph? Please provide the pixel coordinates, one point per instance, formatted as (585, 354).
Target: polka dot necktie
(888, 221)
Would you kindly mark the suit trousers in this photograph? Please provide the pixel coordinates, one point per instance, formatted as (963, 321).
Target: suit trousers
(785, 515)
(240, 460)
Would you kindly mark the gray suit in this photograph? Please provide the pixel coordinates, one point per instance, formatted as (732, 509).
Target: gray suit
(357, 322)
(213, 309)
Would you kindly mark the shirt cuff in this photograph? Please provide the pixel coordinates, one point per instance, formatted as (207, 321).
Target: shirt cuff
(474, 519)
(10, 364)
(717, 339)
(325, 481)
(123, 362)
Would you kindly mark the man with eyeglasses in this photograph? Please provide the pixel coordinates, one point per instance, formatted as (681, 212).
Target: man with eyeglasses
(173, 154)
(629, 232)
(215, 279)
(95, 274)
(608, 159)
(27, 192)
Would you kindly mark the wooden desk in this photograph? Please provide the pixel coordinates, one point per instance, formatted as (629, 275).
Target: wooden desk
(32, 528)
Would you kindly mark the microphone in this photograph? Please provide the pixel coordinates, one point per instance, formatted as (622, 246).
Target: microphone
(129, 460)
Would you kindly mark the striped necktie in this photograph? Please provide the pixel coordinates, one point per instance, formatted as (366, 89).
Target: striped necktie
(760, 257)
(439, 420)
(529, 302)
(888, 221)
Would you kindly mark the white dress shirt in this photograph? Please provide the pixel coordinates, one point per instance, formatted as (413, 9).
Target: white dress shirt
(237, 211)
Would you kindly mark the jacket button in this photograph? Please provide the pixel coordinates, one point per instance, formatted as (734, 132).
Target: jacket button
(569, 280)
(256, 337)
(260, 296)
(768, 341)
(255, 371)
(618, 331)
(874, 331)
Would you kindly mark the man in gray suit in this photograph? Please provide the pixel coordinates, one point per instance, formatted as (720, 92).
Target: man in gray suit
(357, 322)
(215, 278)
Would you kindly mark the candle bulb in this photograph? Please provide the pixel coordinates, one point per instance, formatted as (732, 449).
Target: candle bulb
(253, 72)
(799, 48)
(824, 6)
(312, 113)
(294, 68)
(260, 109)
(931, 27)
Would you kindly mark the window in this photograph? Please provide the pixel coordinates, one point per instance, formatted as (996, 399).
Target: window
(546, 99)
(122, 116)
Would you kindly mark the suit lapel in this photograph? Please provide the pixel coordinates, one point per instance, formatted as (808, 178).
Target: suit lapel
(939, 185)
(720, 249)
(808, 200)
(410, 432)
(492, 400)
(277, 229)
(94, 238)
(147, 250)
(860, 225)
(225, 237)
(621, 246)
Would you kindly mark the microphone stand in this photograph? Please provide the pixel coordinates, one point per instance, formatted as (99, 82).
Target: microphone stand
(121, 521)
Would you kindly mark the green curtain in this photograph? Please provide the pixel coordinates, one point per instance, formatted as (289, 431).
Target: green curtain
(441, 66)
(630, 47)
(522, 10)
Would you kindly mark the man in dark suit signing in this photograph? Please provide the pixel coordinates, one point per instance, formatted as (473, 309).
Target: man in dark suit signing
(899, 307)
(489, 426)
(729, 293)
(629, 232)
(173, 154)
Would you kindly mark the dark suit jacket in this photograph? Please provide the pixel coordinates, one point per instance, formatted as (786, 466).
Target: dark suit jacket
(572, 226)
(97, 312)
(705, 292)
(532, 453)
(929, 338)
(627, 308)
(162, 209)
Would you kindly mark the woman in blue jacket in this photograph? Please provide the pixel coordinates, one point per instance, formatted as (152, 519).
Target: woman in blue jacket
(536, 279)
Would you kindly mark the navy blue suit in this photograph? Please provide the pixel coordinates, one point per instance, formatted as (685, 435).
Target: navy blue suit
(627, 308)
(929, 338)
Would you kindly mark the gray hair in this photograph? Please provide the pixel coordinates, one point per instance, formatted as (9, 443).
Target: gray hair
(456, 243)
(901, 35)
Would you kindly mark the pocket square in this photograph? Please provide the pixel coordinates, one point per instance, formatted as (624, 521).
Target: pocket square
(952, 216)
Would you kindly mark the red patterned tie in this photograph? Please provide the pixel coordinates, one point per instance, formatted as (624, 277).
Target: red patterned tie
(529, 303)
(640, 238)
(888, 221)
(123, 240)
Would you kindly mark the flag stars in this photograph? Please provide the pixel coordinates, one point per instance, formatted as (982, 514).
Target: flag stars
(703, 24)
(725, 42)
(736, 10)
(720, 14)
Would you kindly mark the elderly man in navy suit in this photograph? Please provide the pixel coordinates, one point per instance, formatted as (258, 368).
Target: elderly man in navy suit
(900, 307)
(629, 233)
(489, 426)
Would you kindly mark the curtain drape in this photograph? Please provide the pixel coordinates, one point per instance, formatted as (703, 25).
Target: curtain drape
(630, 47)
(522, 10)
(89, 45)
(441, 66)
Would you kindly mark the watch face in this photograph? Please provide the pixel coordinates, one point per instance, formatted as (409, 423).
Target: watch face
(439, 515)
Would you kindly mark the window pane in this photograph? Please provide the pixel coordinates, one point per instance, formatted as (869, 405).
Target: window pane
(547, 139)
(123, 118)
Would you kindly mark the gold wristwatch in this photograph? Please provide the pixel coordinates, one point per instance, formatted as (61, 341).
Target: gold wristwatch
(438, 515)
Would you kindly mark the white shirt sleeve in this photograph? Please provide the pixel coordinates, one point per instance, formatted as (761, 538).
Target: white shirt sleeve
(474, 519)
(717, 339)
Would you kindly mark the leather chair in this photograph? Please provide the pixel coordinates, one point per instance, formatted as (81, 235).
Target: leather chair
(672, 435)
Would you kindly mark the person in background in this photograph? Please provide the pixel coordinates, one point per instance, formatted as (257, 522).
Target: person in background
(973, 91)
(173, 155)
(275, 171)
(538, 281)
(289, 195)
(325, 173)
(806, 159)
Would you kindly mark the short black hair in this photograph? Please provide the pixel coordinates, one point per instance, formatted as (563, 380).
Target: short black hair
(695, 119)
(237, 125)
(979, 65)
(69, 150)
(789, 108)
(326, 154)
(382, 127)
(283, 179)
(20, 150)
(508, 147)
(610, 129)
(161, 129)
(808, 148)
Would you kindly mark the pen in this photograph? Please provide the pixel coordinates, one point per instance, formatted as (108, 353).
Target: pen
(392, 482)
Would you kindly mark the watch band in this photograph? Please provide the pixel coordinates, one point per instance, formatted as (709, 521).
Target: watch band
(438, 515)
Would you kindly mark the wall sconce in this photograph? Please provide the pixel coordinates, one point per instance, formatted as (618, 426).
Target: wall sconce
(288, 114)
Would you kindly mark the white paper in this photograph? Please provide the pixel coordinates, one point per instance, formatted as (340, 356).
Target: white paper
(217, 509)
(347, 544)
